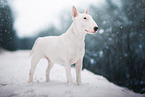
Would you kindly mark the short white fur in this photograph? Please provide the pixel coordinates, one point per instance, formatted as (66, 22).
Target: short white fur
(67, 49)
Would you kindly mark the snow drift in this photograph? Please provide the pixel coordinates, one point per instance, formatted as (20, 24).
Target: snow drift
(14, 70)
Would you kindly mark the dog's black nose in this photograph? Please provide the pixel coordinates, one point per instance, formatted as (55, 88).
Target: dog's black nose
(95, 29)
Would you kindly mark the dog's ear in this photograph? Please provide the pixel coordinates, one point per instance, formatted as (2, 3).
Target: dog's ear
(74, 12)
(87, 11)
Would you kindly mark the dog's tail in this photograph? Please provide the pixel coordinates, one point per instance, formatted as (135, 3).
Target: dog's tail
(33, 47)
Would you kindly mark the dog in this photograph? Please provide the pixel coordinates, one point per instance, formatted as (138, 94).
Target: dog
(67, 49)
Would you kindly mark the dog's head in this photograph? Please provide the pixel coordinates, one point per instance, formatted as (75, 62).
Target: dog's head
(84, 21)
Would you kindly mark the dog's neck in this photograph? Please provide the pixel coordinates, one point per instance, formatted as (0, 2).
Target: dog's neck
(76, 33)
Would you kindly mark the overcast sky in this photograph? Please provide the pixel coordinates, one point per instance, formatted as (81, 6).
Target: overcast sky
(31, 16)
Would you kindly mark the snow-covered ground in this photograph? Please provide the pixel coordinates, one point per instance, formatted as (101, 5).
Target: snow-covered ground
(14, 70)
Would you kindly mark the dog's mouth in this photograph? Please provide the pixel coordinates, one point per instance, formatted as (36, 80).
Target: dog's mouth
(89, 32)
(86, 30)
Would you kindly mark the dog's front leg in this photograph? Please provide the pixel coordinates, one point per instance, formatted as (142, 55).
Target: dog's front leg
(68, 73)
(78, 67)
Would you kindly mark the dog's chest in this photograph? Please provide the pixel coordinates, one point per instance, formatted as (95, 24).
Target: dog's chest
(77, 52)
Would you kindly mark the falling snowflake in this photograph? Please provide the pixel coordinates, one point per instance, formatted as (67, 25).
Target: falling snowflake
(101, 31)
(140, 46)
(92, 61)
(101, 53)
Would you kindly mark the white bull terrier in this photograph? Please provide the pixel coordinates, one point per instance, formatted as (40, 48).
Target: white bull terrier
(67, 49)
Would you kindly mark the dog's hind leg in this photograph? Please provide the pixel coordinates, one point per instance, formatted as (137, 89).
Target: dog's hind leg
(35, 59)
(50, 65)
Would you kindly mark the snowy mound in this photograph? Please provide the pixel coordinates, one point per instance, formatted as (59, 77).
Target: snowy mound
(14, 70)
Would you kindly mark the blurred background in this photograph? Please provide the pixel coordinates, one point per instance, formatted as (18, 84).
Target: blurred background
(116, 52)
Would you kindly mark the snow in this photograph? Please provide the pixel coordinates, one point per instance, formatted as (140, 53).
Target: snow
(101, 31)
(92, 61)
(14, 70)
(101, 53)
(140, 46)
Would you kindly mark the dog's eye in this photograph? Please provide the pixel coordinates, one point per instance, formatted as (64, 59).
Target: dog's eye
(85, 18)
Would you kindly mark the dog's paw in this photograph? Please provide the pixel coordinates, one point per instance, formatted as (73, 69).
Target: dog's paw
(70, 83)
(29, 81)
(47, 80)
(78, 83)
